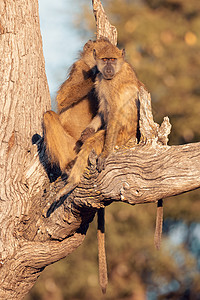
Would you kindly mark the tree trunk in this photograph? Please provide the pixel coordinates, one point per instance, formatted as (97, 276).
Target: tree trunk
(35, 230)
(24, 97)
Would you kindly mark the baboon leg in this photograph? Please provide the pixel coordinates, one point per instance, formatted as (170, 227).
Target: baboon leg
(60, 145)
(96, 143)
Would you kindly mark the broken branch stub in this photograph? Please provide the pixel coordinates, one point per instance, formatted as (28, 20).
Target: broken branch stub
(104, 28)
(150, 131)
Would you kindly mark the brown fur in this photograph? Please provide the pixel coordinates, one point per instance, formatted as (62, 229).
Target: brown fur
(117, 112)
(58, 141)
(95, 143)
(77, 105)
(118, 100)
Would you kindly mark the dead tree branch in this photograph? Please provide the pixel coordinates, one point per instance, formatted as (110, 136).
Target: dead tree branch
(104, 28)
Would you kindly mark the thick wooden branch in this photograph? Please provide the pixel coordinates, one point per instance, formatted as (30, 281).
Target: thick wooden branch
(142, 174)
(147, 173)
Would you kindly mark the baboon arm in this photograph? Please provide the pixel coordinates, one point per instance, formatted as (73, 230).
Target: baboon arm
(112, 130)
(76, 87)
(113, 127)
(89, 131)
(96, 123)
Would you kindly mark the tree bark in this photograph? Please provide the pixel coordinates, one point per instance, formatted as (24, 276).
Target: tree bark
(24, 97)
(35, 230)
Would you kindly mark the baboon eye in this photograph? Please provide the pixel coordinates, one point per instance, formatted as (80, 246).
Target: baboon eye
(113, 59)
(104, 59)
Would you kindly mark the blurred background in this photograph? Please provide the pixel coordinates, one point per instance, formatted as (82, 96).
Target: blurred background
(162, 42)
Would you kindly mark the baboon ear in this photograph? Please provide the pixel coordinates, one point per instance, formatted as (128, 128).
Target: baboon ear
(94, 53)
(123, 53)
(88, 45)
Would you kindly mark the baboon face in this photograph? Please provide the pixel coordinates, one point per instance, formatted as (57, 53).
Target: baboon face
(109, 61)
(108, 67)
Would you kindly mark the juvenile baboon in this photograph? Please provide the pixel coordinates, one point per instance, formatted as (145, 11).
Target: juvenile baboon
(117, 88)
(77, 105)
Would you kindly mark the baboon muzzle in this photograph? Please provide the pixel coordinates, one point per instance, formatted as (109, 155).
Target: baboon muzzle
(109, 71)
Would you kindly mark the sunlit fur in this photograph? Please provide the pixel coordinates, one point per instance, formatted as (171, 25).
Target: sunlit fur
(77, 105)
(117, 113)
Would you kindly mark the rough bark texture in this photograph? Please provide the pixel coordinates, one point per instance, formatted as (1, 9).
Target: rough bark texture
(35, 230)
(104, 28)
(24, 97)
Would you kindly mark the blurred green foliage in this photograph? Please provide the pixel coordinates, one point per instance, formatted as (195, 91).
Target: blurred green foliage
(162, 42)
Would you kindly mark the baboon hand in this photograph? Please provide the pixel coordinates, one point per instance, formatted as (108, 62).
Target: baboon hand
(88, 132)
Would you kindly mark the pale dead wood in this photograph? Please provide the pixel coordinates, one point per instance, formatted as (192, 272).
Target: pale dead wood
(104, 28)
